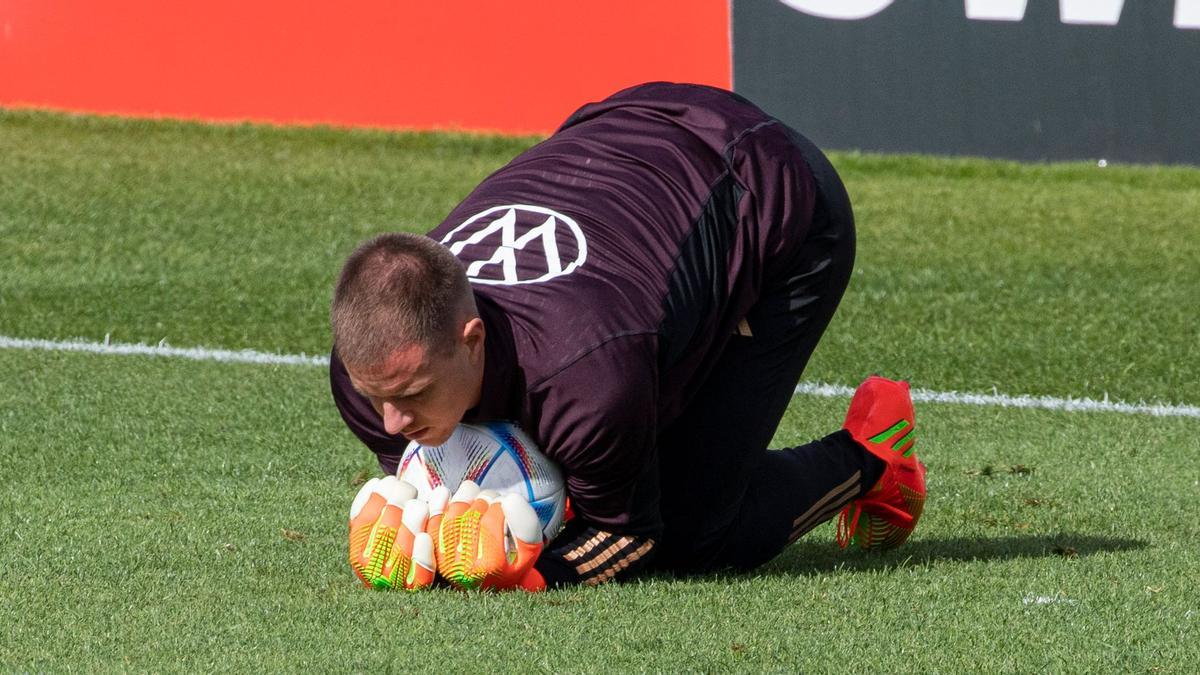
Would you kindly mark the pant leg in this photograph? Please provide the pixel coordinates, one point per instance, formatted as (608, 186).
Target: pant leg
(726, 499)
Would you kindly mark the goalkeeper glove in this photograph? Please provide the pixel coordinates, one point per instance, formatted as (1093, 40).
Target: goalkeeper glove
(389, 547)
(483, 540)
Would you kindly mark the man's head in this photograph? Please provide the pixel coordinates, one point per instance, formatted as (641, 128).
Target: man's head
(406, 327)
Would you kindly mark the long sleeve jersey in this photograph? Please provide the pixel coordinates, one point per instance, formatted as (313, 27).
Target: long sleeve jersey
(611, 263)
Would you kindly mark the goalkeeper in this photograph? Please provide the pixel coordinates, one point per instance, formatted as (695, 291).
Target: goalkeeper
(640, 292)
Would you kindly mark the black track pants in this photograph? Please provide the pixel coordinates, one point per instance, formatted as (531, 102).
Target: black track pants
(726, 500)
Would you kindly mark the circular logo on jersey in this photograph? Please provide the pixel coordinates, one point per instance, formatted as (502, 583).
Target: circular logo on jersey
(517, 244)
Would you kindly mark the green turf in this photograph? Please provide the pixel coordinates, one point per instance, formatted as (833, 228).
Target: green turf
(162, 514)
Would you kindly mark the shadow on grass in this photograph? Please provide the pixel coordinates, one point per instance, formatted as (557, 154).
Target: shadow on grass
(806, 558)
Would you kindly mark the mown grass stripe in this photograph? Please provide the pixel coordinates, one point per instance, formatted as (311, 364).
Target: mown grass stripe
(804, 388)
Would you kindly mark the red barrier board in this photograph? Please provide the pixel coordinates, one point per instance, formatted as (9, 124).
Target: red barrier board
(515, 67)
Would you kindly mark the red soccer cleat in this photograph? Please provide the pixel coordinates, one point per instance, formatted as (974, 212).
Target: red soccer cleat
(881, 420)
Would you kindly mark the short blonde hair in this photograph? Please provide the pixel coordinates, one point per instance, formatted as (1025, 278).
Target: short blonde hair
(395, 290)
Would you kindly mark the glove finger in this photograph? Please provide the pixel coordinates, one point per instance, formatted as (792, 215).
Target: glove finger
(521, 519)
(458, 543)
(362, 531)
(395, 490)
(449, 543)
(421, 573)
(491, 550)
(454, 511)
(399, 560)
(367, 512)
(458, 505)
(416, 515)
(526, 530)
(389, 549)
(466, 492)
(488, 558)
(481, 506)
(360, 499)
(438, 500)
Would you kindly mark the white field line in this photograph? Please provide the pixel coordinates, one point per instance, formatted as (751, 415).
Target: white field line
(805, 388)
(1021, 401)
(165, 350)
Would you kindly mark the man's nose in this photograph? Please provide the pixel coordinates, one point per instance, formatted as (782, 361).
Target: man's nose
(395, 419)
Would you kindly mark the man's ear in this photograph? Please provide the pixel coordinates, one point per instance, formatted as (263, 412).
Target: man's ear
(473, 335)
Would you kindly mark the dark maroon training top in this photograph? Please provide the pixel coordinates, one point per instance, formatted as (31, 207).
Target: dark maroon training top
(611, 263)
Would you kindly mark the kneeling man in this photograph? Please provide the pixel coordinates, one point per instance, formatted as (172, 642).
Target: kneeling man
(640, 292)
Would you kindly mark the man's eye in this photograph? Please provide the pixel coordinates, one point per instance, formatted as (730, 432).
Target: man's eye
(408, 398)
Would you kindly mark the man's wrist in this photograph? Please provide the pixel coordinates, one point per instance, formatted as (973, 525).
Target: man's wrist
(555, 570)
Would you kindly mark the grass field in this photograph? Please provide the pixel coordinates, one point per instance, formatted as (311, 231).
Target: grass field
(164, 514)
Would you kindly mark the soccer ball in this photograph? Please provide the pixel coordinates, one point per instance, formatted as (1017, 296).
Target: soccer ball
(496, 456)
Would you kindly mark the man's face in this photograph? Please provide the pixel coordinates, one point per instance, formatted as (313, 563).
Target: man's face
(423, 394)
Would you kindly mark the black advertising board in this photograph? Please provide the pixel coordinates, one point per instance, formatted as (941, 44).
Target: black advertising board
(1084, 79)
